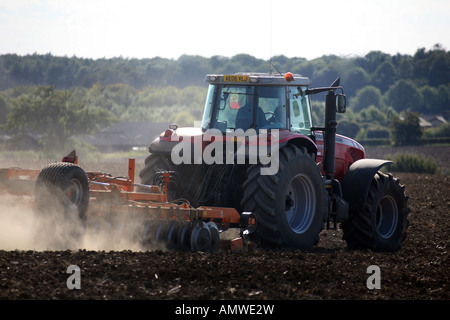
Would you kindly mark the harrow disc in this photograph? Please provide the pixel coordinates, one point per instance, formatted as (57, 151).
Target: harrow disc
(181, 235)
(172, 235)
(200, 237)
(215, 236)
(184, 235)
(148, 238)
(161, 232)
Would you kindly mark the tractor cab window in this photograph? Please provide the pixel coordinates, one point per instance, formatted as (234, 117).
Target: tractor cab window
(233, 108)
(299, 111)
(272, 104)
(244, 107)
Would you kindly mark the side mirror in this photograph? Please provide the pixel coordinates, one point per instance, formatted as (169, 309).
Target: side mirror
(341, 103)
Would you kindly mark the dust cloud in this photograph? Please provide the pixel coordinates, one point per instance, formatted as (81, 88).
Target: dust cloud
(16, 224)
(23, 228)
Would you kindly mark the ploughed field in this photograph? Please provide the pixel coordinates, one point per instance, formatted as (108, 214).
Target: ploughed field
(420, 270)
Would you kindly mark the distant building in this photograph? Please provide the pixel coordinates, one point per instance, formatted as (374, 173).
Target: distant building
(127, 135)
(424, 123)
(432, 121)
(28, 141)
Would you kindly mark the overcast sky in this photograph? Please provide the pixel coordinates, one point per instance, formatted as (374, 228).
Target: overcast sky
(262, 28)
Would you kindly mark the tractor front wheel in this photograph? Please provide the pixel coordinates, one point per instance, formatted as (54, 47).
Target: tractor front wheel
(381, 225)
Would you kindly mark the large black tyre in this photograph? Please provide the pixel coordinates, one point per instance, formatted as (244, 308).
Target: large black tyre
(61, 202)
(381, 225)
(149, 174)
(153, 163)
(64, 186)
(290, 205)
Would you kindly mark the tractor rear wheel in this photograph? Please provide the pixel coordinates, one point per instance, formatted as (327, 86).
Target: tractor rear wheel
(149, 175)
(290, 205)
(381, 225)
(154, 163)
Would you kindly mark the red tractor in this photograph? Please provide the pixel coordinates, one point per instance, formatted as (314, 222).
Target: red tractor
(258, 151)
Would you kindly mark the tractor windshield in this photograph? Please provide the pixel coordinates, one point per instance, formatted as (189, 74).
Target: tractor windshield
(230, 107)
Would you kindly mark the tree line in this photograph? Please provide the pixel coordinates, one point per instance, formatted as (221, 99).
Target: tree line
(382, 89)
(381, 70)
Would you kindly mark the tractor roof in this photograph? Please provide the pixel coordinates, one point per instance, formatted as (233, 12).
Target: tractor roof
(244, 78)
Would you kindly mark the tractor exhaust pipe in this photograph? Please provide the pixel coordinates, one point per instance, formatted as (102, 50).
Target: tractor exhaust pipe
(329, 135)
(334, 103)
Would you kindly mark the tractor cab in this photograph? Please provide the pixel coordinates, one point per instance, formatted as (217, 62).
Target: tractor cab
(258, 101)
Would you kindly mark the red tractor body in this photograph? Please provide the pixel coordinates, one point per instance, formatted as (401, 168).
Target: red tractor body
(258, 151)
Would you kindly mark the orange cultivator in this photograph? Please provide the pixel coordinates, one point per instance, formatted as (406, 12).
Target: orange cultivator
(95, 196)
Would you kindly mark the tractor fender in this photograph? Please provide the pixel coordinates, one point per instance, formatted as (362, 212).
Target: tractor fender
(161, 146)
(282, 138)
(357, 180)
(299, 140)
(165, 146)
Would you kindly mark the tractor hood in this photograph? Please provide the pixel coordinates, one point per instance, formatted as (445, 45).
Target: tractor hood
(187, 132)
(166, 140)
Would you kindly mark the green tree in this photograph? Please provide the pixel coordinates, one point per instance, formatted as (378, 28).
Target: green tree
(438, 132)
(384, 76)
(348, 128)
(403, 95)
(443, 101)
(405, 130)
(373, 60)
(325, 76)
(430, 98)
(365, 97)
(404, 66)
(432, 66)
(372, 114)
(54, 114)
(4, 109)
(184, 118)
(356, 79)
(440, 70)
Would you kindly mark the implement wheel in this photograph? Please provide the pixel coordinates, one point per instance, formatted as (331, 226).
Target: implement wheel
(61, 201)
(63, 186)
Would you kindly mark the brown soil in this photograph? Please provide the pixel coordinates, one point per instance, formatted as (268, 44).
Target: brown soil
(420, 270)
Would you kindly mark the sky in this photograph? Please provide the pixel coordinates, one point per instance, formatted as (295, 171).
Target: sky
(262, 28)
